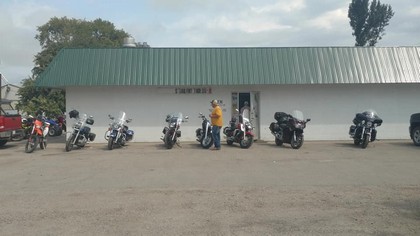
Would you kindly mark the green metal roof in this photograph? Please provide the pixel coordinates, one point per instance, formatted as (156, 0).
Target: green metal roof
(232, 66)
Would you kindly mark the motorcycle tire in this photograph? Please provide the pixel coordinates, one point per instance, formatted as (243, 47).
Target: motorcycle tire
(297, 141)
(356, 141)
(247, 142)
(69, 143)
(416, 136)
(229, 142)
(43, 143)
(52, 132)
(31, 143)
(110, 143)
(366, 141)
(168, 141)
(278, 142)
(207, 142)
(3, 142)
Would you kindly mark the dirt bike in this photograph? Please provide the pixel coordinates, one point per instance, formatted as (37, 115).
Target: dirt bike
(38, 134)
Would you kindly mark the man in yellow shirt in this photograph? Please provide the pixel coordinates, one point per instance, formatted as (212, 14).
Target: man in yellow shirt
(216, 118)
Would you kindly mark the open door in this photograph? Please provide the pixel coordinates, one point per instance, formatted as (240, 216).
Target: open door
(247, 103)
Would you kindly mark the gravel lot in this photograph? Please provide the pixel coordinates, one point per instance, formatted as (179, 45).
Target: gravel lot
(324, 188)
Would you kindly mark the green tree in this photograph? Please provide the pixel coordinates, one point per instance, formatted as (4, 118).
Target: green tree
(369, 21)
(56, 34)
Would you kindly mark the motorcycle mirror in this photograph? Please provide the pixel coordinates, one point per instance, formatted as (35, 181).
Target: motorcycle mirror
(307, 120)
(186, 117)
(128, 121)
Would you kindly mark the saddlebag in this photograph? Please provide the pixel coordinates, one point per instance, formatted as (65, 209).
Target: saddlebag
(274, 127)
(92, 136)
(130, 135)
(281, 117)
(178, 133)
(352, 130)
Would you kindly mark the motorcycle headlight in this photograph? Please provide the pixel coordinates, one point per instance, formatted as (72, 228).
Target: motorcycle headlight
(172, 125)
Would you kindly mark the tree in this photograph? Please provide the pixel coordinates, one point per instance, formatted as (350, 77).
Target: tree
(369, 21)
(56, 34)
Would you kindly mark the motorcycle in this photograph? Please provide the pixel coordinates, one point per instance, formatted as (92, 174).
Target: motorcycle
(38, 134)
(239, 131)
(364, 128)
(171, 132)
(204, 134)
(81, 131)
(288, 128)
(118, 133)
(55, 128)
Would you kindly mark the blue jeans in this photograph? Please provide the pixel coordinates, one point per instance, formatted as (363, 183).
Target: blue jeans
(215, 130)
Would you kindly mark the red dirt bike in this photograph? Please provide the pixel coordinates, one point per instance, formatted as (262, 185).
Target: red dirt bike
(37, 135)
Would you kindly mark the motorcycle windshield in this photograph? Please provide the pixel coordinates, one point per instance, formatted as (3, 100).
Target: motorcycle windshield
(371, 114)
(122, 117)
(175, 117)
(298, 115)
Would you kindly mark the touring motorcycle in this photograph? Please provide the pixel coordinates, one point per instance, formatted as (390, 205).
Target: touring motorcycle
(288, 128)
(171, 132)
(364, 129)
(204, 134)
(239, 131)
(38, 134)
(81, 131)
(118, 133)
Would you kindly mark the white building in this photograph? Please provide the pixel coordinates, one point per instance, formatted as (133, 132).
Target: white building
(329, 85)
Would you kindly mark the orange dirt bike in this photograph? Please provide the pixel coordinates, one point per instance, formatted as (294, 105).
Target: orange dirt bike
(38, 134)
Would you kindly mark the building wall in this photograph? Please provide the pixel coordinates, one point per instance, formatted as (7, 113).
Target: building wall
(331, 107)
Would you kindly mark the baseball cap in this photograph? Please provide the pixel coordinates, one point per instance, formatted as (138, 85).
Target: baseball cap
(214, 101)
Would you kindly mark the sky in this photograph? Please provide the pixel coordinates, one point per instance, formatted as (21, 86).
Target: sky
(198, 23)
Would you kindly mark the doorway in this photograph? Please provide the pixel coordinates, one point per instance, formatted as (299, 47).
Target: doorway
(248, 104)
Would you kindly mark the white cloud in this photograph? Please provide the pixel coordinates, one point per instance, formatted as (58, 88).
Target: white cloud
(415, 11)
(281, 6)
(330, 20)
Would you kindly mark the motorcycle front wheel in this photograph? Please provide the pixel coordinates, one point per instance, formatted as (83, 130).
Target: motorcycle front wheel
(246, 142)
(69, 143)
(297, 141)
(52, 132)
(110, 143)
(31, 143)
(207, 142)
(168, 141)
(366, 141)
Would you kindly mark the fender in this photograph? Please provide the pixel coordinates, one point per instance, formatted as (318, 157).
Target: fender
(249, 133)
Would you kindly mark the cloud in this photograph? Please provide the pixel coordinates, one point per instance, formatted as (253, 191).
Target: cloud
(330, 20)
(281, 6)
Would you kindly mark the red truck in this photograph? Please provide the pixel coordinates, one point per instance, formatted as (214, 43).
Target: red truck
(10, 123)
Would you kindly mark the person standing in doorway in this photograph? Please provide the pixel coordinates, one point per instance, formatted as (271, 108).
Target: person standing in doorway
(216, 118)
(245, 111)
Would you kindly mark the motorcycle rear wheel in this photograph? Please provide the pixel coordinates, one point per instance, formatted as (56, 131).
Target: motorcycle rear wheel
(278, 142)
(247, 142)
(207, 142)
(69, 143)
(31, 143)
(297, 141)
(43, 143)
(52, 132)
(110, 143)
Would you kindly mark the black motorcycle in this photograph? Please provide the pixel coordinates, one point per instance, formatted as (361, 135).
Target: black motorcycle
(364, 128)
(239, 131)
(81, 131)
(289, 128)
(204, 134)
(171, 132)
(118, 133)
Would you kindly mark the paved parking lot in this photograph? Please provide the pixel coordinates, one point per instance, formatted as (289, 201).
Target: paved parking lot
(324, 188)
